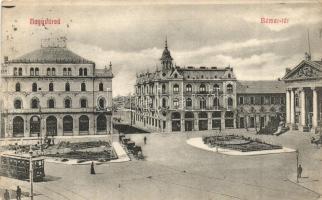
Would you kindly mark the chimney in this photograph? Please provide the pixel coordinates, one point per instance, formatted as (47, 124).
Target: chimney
(287, 70)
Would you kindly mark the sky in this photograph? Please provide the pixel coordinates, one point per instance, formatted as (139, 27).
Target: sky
(131, 35)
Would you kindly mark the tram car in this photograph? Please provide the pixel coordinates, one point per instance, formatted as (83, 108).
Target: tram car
(17, 166)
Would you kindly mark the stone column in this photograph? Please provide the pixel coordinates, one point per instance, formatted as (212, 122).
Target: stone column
(303, 108)
(292, 110)
(315, 108)
(288, 107)
(209, 121)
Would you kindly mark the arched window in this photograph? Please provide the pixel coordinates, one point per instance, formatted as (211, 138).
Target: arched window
(202, 115)
(83, 123)
(68, 103)
(32, 72)
(216, 102)
(101, 87)
(18, 87)
(17, 104)
(68, 123)
(34, 87)
(229, 75)
(67, 87)
(229, 88)
(175, 115)
(85, 72)
(69, 71)
(83, 87)
(101, 123)
(64, 71)
(20, 71)
(230, 101)
(101, 103)
(51, 87)
(176, 88)
(15, 71)
(189, 115)
(34, 103)
(188, 102)
(51, 103)
(18, 126)
(37, 71)
(48, 72)
(203, 103)
(188, 88)
(53, 71)
(216, 88)
(80, 71)
(202, 88)
(83, 103)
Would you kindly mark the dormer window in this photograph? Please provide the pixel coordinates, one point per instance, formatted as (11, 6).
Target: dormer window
(229, 88)
(229, 75)
(176, 76)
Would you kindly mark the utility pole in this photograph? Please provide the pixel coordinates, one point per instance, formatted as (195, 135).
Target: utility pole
(31, 174)
(131, 108)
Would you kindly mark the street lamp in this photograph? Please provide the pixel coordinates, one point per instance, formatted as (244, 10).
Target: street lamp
(31, 176)
(297, 165)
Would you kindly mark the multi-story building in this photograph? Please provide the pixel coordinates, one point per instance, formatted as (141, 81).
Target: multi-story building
(54, 92)
(177, 98)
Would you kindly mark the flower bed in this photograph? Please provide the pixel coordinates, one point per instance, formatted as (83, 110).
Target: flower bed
(239, 143)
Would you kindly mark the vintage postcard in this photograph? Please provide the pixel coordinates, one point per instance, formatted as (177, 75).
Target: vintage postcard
(161, 100)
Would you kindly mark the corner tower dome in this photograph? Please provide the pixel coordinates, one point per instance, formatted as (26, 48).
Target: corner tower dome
(166, 59)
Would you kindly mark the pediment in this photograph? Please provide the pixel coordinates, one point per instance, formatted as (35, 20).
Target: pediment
(304, 70)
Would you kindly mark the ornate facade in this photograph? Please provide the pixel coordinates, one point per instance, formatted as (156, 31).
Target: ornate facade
(54, 92)
(303, 95)
(177, 98)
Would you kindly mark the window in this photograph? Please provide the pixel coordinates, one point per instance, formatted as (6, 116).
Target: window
(176, 88)
(229, 75)
(202, 88)
(37, 71)
(48, 72)
(85, 72)
(163, 88)
(164, 103)
(80, 71)
(51, 103)
(262, 100)
(67, 103)
(282, 100)
(202, 103)
(176, 76)
(15, 71)
(241, 100)
(176, 103)
(34, 103)
(53, 71)
(252, 100)
(216, 88)
(272, 100)
(34, 87)
(20, 71)
(229, 88)
(18, 87)
(51, 87)
(101, 87)
(216, 102)
(83, 103)
(69, 71)
(68, 124)
(64, 71)
(188, 102)
(83, 123)
(67, 87)
(189, 88)
(17, 104)
(83, 87)
(32, 72)
(230, 101)
(101, 103)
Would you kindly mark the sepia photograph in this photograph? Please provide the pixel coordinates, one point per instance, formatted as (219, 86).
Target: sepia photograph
(161, 100)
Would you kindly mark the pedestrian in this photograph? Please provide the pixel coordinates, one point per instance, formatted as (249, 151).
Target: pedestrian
(6, 195)
(92, 168)
(144, 139)
(299, 171)
(18, 193)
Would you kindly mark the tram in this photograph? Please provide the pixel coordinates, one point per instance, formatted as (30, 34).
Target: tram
(17, 166)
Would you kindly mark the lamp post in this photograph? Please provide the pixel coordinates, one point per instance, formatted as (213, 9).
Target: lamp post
(31, 176)
(39, 135)
(297, 166)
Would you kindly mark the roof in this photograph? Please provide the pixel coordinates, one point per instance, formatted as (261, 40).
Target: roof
(316, 71)
(260, 87)
(51, 55)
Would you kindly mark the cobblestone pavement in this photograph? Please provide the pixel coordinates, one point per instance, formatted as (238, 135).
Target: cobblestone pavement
(175, 170)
